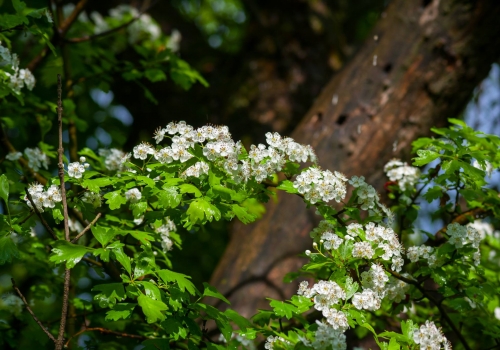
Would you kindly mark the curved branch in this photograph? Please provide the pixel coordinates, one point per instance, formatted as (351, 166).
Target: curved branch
(438, 305)
(86, 228)
(31, 311)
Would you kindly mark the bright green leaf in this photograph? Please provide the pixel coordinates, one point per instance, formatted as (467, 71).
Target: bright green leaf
(152, 308)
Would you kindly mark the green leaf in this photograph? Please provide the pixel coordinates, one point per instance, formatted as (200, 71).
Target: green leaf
(302, 303)
(239, 320)
(115, 199)
(212, 292)
(8, 250)
(154, 75)
(120, 311)
(156, 344)
(394, 345)
(169, 197)
(144, 237)
(110, 293)
(287, 186)
(433, 193)
(19, 6)
(148, 181)
(95, 185)
(138, 209)
(350, 287)
(283, 309)
(151, 290)
(242, 214)
(182, 280)
(66, 252)
(4, 188)
(103, 234)
(152, 308)
(425, 157)
(188, 188)
(123, 259)
(200, 210)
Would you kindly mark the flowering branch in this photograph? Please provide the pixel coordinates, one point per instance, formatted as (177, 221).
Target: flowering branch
(42, 219)
(31, 311)
(111, 31)
(435, 302)
(86, 228)
(67, 272)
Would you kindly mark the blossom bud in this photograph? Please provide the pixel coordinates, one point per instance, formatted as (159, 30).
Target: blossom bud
(321, 241)
(315, 245)
(308, 252)
(82, 159)
(86, 165)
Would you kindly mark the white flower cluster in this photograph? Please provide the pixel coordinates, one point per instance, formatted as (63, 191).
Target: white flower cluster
(326, 294)
(396, 289)
(19, 77)
(240, 338)
(36, 158)
(428, 336)
(426, 252)
(13, 156)
(196, 170)
(76, 169)
(461, 235)
(164, 231)
(318, 185)
(41, 198)
(326, 336)
(114, 159)
(373, 283)
(367, 196)
(273, 339)
(143, 27)
(133, 195)
(405, 175)
(220, 148)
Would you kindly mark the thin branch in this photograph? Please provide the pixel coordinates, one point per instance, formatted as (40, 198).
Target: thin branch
(462, 219)
(86, 228)
(108, 32)
(107, 331)
(435, 302)
(31, 311)
(93, 262)
(27, 218)
(42, 219)
(67, 272)
(68, 22)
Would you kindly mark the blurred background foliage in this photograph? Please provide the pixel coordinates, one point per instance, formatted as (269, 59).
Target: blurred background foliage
(254, 65)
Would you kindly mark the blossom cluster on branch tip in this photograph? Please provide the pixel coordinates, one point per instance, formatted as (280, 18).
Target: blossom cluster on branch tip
(428, 336)
(164, 230)
(43, 199)
(318, 185)
(405, 175)
(18, 78)
(76, 169)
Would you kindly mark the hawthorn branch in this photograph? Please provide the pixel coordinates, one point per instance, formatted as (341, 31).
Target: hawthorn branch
(107, 331)
(86, 228)
(112, 30)
(42, 219)
(67, 272)
(31, 311)
(438, 304)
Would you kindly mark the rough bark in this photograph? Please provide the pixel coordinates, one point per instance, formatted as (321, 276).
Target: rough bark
(427, 60)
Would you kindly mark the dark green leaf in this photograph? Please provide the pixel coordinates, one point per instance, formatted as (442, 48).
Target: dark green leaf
(120, 311)
(152, 308)
(110, 293)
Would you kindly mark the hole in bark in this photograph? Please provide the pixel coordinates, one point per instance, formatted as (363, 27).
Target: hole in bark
(388, 68)
(341, 120)
(426, 3)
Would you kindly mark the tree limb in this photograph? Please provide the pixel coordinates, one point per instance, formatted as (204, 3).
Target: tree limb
(86, 228)
(31, 311)
(67, 272)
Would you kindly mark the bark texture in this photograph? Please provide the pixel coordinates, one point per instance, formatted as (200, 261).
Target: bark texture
(419, 70)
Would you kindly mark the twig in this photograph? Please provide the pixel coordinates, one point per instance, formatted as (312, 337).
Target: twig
(27, 218)
(67, 272)
(435, 302)
(86, 228)
(93, 262)
(31, 311)
(68, 22)
(107, 331)
(111, 31)
(462, 219)
(44, 223)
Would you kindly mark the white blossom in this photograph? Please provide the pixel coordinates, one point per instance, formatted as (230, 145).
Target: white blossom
(133, 195)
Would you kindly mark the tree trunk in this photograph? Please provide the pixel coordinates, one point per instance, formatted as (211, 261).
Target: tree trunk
(418, 68)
